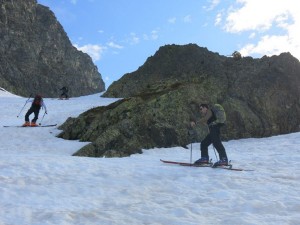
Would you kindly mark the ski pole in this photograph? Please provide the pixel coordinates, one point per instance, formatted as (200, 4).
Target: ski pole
(212, 145)
(215, 152)
(24, 105)
(42, 118)
(191, 134)
(191, 152)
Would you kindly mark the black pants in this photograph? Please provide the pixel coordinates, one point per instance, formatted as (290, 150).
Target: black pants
(213, 138)
(34, 110)
(64, 94)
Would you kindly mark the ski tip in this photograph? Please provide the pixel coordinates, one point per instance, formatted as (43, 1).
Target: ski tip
(231, 168)
(51, 125)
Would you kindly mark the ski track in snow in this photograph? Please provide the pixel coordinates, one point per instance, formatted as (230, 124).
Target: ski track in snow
(41, 183)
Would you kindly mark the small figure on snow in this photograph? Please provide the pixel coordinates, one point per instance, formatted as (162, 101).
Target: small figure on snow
(37, 104)
(64, 94)
(214, 117)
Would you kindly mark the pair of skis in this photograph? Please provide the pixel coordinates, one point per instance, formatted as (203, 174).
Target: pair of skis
(229, 167)
(48, 125)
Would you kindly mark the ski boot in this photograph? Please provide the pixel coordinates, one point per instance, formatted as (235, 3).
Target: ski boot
(202, 161)
(26, 124)
(33, 124)
(221, 162)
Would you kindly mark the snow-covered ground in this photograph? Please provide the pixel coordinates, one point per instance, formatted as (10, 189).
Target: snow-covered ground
(41, 183)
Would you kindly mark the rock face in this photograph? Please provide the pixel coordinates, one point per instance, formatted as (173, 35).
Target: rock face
(261, 98)
(36, 55)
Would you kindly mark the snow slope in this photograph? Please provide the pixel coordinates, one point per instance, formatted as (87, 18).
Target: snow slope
(41, 183)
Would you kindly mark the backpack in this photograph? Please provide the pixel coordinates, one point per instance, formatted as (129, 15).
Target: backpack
(219, 112)
(37, 100)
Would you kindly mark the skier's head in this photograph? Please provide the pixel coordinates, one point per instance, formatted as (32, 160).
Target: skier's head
(38, 96)
(203, 107)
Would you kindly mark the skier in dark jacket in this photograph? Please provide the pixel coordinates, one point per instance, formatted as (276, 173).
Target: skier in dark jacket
(37, 104)
(213, 137)
(64, 93)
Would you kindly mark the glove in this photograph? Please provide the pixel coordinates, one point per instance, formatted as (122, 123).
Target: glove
(192, 123)
(191, 132)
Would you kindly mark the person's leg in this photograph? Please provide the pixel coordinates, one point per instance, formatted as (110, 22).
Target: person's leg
(28, 114)
(216, 140)
(36, 115)
(26, 124)
(204, 146)
(204, 151)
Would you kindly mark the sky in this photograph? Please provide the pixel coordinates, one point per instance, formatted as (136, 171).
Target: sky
(120, 35)
(42, 184)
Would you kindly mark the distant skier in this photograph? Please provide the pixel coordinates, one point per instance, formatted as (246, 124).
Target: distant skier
(64, 94)
(37, 104)
(215, 118)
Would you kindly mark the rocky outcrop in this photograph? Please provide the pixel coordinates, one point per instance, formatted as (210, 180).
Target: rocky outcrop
(128, 125)
(36, 56)
(260, 96)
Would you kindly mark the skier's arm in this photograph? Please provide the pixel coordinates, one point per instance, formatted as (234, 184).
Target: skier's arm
(44, 106)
